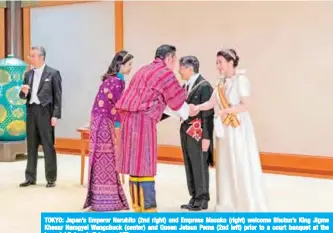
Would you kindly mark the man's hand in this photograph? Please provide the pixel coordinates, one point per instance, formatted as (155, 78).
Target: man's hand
(25, 89)
(205, 145)
(222, 112)
(53, 121)
(194, 110)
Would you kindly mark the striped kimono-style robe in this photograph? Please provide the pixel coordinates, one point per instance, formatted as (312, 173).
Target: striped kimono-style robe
(141, 106)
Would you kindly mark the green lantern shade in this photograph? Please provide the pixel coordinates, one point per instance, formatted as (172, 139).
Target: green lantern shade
(12, 108)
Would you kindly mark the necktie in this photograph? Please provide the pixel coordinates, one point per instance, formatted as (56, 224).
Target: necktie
(186, 89)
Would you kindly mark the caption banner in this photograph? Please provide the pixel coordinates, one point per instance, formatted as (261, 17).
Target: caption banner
(122, 222)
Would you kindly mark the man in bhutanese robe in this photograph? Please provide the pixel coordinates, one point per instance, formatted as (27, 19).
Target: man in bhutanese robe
(151, 90)
(196, 134)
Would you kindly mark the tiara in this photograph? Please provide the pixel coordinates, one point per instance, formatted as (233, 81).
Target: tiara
(126, 56)
(230, 53)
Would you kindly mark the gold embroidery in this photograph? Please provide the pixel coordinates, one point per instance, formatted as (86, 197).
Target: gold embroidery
(110, 96)
(194, 88)
(106, 90)
(113, 111)
(230, 119)
(100, 103)
(142, 179)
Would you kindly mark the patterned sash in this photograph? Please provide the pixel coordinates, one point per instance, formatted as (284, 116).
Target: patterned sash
(229, 119)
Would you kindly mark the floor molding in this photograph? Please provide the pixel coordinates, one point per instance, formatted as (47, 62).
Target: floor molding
(276, 163)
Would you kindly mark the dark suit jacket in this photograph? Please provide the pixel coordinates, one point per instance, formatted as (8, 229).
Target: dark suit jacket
(49, 90)
(198, 96)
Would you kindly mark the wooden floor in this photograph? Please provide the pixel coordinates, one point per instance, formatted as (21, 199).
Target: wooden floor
(21, 208)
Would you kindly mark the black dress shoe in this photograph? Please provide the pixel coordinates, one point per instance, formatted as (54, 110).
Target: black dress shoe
(187, 206)
(27, 183)
(50, 184)
(204, 204)
(199, 205)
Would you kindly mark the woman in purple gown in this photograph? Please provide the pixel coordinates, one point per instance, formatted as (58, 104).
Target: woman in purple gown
(105, 192)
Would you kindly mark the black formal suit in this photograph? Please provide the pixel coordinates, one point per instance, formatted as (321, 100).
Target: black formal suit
(196, 160)
(39, 128)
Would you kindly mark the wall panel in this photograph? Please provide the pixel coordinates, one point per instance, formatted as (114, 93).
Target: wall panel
(79, 40)
(26, 33)
(287, 55)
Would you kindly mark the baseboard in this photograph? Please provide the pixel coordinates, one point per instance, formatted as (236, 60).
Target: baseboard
(276, 163)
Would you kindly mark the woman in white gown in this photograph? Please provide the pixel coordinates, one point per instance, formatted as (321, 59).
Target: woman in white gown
(238, 168)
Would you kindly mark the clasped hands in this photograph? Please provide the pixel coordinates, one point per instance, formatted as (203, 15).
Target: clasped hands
(195, 109)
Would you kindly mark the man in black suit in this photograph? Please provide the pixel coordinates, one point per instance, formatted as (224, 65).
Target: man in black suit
(196, 134)
(43, 91)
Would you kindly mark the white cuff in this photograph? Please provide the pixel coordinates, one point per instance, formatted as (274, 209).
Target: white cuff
(184, 111)
(181, 114)
(171, 113)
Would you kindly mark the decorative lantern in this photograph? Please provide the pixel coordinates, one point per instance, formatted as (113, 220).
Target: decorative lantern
(12, 108)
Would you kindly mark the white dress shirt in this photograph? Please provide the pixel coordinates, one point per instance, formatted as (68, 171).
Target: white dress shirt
(183, 112)
(191, 82)
(35, 85)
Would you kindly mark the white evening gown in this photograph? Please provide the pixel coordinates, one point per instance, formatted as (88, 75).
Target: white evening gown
(239, 174)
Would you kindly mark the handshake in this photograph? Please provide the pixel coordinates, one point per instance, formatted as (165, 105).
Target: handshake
(182, 114)
(194, 110)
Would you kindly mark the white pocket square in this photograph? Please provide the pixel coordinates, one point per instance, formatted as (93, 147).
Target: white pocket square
(46, 80)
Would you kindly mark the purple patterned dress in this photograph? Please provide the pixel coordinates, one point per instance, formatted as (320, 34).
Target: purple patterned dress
(105, 192)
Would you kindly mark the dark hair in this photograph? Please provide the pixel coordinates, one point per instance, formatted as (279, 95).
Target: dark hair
(229, 55)
(165, 51)
(190, 61)
(120, 58)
